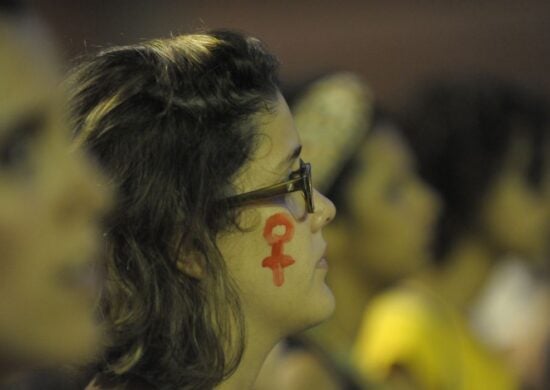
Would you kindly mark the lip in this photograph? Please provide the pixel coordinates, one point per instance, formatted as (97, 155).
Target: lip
(322, 262)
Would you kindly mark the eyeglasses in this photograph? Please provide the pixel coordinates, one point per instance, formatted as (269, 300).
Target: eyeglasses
(298, 204)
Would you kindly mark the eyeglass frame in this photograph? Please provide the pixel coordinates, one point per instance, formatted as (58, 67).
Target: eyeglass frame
(302, 182)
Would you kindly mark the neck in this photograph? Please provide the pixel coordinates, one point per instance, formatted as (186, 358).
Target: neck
(258, 345)
(463, 273)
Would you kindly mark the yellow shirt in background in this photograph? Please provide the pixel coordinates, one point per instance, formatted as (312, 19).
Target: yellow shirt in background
(410, 330)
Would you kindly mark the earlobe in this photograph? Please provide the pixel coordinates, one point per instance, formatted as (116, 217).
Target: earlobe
(192, 265)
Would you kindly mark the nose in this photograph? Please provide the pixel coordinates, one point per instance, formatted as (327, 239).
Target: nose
(325, 211)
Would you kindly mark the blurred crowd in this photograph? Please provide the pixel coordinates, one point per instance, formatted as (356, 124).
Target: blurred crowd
(440, 241)
(438, 255)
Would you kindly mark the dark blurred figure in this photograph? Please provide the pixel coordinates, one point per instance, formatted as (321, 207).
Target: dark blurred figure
(481, 144)
(50, 205)
(497, 192)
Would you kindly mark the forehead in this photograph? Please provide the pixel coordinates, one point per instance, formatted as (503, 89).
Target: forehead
(278, 139)
(279, 129)
(27, 79)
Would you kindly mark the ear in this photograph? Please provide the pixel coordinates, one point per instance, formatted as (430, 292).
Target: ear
(192, 264)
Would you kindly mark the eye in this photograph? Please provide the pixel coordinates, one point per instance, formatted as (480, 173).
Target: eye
(296, 172)
(16, 145)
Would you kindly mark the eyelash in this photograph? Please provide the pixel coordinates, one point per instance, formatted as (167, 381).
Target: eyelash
(294, 174)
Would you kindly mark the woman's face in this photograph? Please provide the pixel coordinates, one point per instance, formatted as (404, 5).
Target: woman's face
(279, 262)
(516, 215)
(394, 212)
(50, 204)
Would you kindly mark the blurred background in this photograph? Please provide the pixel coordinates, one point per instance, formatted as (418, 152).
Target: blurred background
(471, 155)
(393, 44)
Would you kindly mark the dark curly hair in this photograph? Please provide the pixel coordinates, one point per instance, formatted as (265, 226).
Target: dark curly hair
(461, 132)
(171, 121)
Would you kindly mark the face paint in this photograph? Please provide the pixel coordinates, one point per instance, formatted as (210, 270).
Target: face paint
(278, 261)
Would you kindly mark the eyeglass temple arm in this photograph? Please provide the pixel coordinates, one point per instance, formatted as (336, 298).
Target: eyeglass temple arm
(266, 193)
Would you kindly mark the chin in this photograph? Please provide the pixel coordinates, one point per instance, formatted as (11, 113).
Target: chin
(321, 310)
(53, 352)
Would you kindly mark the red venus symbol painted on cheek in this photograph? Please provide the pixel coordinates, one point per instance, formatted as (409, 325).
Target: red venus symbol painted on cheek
(278, 260)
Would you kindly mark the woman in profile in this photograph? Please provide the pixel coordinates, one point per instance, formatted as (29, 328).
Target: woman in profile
(51, 202)
(381, 234)
(215, 249)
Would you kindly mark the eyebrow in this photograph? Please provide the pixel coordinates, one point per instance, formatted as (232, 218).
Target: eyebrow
(291, 157)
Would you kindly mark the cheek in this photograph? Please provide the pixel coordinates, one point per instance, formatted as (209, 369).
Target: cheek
(18, 235)
(28, 244)
(27, 263)
(278, 231)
